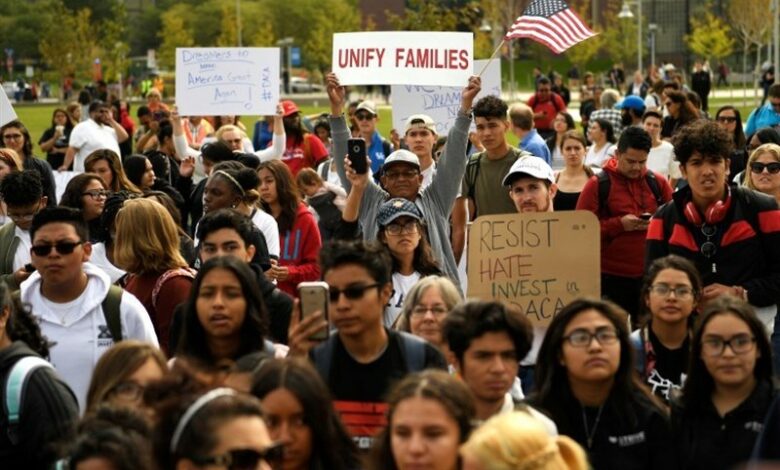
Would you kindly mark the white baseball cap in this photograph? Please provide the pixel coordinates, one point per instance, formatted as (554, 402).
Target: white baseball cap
(531, 166)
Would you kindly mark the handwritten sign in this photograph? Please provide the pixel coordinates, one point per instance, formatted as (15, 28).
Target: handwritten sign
(538, 262)
(441, 103)
(403, 58)
(217, 81)
(7, 113)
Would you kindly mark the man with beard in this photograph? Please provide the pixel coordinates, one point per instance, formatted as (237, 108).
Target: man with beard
(100, 131)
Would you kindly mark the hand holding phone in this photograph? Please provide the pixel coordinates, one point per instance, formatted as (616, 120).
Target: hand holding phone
(314, 298)
(356, 153)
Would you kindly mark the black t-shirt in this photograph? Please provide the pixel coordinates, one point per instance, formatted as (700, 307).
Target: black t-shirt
(56, 159)
(670, 367)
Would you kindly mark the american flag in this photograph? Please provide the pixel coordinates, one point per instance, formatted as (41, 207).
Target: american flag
(551, 23)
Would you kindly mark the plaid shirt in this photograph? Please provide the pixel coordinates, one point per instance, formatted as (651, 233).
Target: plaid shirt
(611, 115)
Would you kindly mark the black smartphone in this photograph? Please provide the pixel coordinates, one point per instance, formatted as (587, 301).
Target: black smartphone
(645, 216)
(314, 298)
(356, 152)
(29, 268)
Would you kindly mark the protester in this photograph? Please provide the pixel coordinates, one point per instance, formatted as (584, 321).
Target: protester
(299, 414)
(531, 185)
(299, 236)
(518, 440)
(575, 173)
(703, 214)
(681, 112)
(106, 164)
(728, 390)
(589, 390)
(100, 131)
(377, 148)
(623, 197)
(631, 108)
(147, 247)
(302, 149)
(47, 410)
(660, 159)
(224, 317)
(607, 111)
(764, 174)
(196, 129)
(426, 306)
(122, 374)
(562, 124)
(103, 252)
(234, 137)
(326, 198)
(670, 293)
(766, 115)
(521, 118)
(9, 161)
(545, 105)
(186, 245)
(74, 301)
(602, 138)
(87, 192)
(139, 171)
(54, 140)
(16, 137)
(730, 119)
(429, 416)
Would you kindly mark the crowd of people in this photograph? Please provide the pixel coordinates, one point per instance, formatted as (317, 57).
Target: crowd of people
(152, 316)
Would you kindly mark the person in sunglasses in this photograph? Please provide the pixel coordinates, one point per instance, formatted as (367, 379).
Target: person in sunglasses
(22, 193)
(731, 234)
(363, 358)
(767, 115)
(586, 383)
(88, 193)
(67, 294)
(763, 173)
(377, 147)
(729, 388)
(730, 119)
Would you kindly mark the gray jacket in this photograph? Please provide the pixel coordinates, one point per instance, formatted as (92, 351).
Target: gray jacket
(435, 201)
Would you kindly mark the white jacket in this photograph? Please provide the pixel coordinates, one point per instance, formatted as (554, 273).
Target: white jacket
(83, 336)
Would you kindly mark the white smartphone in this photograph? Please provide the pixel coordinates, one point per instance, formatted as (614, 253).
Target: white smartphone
(313, 298)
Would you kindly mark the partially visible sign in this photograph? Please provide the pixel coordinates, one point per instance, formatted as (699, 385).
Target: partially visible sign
(7, 113)
(295, 56)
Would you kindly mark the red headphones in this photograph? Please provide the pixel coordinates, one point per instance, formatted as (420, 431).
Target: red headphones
(714, 214)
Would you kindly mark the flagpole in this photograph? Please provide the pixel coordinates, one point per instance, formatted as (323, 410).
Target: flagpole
(492, 56)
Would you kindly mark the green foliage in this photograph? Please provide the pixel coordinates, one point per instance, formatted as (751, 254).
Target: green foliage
(113, 42)
(620, 35)
(68, 43)
(710, 37)
(173, 34)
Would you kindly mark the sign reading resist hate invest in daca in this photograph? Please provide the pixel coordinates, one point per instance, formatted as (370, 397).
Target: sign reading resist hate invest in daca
(538, 262)
(220, 81)
(403, 58)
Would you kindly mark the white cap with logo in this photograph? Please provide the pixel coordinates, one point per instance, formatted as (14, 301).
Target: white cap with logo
(531, 166)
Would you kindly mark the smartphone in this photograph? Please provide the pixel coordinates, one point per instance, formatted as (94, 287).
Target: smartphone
(356, 152)
(29, 268)
(314, 298)
(645, 216)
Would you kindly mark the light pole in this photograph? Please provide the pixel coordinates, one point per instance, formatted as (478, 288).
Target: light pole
(625, 13)
(287, 42)
(652, 29)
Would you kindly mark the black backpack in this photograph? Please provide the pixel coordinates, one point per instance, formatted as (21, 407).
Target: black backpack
(327, 211)
(605, 184)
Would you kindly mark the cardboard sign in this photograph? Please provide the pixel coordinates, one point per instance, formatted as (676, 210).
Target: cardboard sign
(538, 262)
(403, 58)
(220, 81)
(7, 113)
(439, 102)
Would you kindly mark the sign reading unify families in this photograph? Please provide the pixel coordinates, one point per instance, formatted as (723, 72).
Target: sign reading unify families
(403, 58)
(441, 103)
(538, 262)
(7, 113)
(219, 81)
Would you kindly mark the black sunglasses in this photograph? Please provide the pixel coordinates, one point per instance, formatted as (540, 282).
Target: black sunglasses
(245, 459)
(758, 167)
(63, 248)
(351, 292)
(727, 119)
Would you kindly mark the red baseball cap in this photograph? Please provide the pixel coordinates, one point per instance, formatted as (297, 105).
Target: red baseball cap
(289, 108)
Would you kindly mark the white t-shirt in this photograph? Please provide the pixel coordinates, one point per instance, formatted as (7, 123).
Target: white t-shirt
(22, 255)
(597, 159)
(427, 175)
(267, 224)
(89, 136)
(661, 160)
(401, 286)
(99, 259)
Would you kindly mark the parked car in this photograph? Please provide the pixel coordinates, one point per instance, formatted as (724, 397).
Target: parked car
(302, 85)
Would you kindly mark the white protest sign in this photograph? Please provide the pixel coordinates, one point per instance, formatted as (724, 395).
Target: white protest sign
(7, 113)
(439, 102)
(219, 81)
(403, 58)
(61, 180)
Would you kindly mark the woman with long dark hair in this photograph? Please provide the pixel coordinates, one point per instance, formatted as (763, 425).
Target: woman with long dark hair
(575, 173)
(601, 134)
(106, 164)
(299, 414)
(16, 137)
(586, 383)
(88, 193)
(54, 140)
(729, 118)
(681, 112)
(299, 235)
(728, 390)
(139, 171)
(562, 124)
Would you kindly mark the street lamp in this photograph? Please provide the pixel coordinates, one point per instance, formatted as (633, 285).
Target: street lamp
(625, 13)
(652, 28)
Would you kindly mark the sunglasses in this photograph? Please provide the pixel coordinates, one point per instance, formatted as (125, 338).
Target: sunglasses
(758, 167)
(364, 116)
(708, 248)
(63, 248)
(245, 459)
(727, 119)
(351, 292)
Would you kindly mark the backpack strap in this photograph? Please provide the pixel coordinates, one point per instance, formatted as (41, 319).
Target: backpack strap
(414, 351)
(169, 274)
(605, 185)
(652, 181)
(323, 357)
(14, 391)
(472, 172)
(111, 311)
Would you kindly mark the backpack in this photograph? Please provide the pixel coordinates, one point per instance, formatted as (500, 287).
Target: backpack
(605, 184)
(15, 383)
(327, 211)
(171, 273)
(413, 352)
(110, 308)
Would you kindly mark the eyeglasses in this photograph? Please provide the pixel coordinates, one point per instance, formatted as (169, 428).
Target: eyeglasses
(740, 344)
(398, 229)
(63, 248)
(681, 292)
(364, 116)
(708, 248)
(727, 119)
(245, 459)
(758, 167)
(421, 310)
(96, 193)
(351, 292)
(25, 217)
(12, 136)
(405, 174)
(581, 338)
(128, 390)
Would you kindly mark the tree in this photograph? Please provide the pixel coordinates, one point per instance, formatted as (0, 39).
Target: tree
(115, 47)
(620, 34)
(710, 37)
(174, 33)
(583, 52)
(318, 49)
(425, 15)
(750, 20)
(68, 42)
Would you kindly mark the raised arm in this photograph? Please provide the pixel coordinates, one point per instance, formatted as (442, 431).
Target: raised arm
(279, 141)
(338, 127)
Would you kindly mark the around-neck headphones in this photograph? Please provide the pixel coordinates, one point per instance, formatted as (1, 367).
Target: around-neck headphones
(714, 214)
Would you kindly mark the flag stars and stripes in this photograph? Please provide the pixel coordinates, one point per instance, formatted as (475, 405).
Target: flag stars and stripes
(551, 23)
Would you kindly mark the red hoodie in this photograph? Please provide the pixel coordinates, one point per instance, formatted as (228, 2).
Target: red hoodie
(622, 253)
(299, 249)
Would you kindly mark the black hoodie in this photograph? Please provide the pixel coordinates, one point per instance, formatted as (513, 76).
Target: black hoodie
(49, 413)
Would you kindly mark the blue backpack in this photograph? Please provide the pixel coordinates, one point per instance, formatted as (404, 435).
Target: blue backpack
(14, 391)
